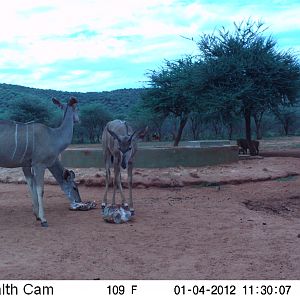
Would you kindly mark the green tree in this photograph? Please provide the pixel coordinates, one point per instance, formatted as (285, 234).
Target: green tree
(93, 119)
(196, 121)
(258, 119)
(27, 110)
(171, 91)
(287, 117)
(141, 116)
(246, 73)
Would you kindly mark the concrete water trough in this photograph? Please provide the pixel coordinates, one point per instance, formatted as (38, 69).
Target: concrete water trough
(158, 156)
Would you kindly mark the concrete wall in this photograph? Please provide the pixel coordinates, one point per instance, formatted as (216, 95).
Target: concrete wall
(207, 143)
(156, 157)
(197, 143)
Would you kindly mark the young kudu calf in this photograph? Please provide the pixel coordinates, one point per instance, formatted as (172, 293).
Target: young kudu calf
(35, 147)
(119, 144)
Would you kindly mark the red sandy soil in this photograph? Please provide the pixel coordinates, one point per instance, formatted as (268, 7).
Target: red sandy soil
(246, 225)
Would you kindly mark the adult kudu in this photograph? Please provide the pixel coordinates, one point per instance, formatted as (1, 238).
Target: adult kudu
(35, 147)
(119, 144)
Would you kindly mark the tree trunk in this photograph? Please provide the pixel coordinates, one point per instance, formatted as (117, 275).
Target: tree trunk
(195, 124)
(174, 130)
(159, 134)
(180, 130)
(258, 131)
(216, 129)
(159, 131)
(258, 120)
(91, 138)
(286, 127)
(230, 131)
(247, 116)
(194, 130)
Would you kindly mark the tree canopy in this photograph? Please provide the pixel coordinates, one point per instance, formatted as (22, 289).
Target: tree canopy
(94, 118)
(237, 73)
(28, 110)
(172, 91)
(245, 73)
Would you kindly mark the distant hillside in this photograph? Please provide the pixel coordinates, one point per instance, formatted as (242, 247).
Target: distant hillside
(117, 102)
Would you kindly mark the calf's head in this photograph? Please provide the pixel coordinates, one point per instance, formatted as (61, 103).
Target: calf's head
(126, 143)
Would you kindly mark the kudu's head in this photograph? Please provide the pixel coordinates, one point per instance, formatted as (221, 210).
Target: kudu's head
(70, 186)
(70, 106)
(127, 142)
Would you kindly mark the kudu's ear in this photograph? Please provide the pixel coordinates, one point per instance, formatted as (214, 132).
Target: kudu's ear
(114, 135)
(57, 103)
(72, 101)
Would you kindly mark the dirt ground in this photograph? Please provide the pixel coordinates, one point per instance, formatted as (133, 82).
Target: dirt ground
(238, 221)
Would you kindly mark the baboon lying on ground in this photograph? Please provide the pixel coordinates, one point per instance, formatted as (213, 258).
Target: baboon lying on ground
(244, 146)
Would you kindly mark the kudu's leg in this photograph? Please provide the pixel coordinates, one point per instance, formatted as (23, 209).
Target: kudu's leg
(32, 188)
(121, 190)
(129, 170)
(39, 172)
(116, 175)
(117, 183)
(107, 179)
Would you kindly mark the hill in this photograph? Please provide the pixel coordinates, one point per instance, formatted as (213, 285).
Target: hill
(119, 101)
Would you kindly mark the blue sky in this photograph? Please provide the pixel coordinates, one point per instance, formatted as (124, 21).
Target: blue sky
(99, 45)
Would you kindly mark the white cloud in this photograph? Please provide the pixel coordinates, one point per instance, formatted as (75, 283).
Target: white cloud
(38, 34)
(83, 80)
(40, 73)
(43, 36)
